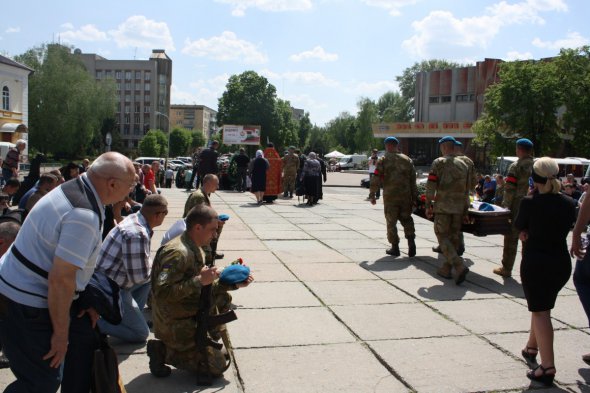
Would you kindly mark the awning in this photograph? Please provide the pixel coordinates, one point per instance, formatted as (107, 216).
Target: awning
(13, 127)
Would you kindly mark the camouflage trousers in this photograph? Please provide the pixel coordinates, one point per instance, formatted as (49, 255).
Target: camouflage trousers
(181, 350)
(289, 182)
(403, 214)
(447, 228)
(212, 247)
(510, 248)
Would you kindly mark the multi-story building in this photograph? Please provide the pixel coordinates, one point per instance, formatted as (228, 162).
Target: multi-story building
(447, 102)
(194, 117)
(14, 111)
(143, 92)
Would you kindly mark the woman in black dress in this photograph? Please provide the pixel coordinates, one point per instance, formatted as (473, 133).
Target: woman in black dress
(544, 220)
(258, 175)
(311, 178)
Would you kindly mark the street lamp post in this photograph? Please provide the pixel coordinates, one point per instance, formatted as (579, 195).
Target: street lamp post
(168, 151)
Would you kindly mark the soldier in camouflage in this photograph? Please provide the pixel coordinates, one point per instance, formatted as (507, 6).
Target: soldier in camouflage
(290, 167)
(516, 187)
(447, 199)
(178, 274)
(396, 174)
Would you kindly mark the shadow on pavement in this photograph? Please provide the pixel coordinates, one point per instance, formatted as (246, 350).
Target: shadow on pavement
(180, 381)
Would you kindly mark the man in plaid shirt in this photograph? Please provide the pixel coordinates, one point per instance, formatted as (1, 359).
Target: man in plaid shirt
(125, 258)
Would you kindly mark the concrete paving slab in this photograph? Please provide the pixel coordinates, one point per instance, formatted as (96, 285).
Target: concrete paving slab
(401, 268)
(250, 257)
(344, 368)
(569, 310)
(358, 223)
(270, 272)
(344, 271)
(275, 294)
(489, 315)
(569, 346)
(323, 227)
(341, 235)
(439, 289)
(283, 235)
(369, 254)
(240, 244)
(356, 244)
(287, 226)
(358, 292)
(452, 364)
(396, 321)
(287, 327)
(303, 251)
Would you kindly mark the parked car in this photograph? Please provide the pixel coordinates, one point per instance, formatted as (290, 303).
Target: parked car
(352, 161)
(176, 164)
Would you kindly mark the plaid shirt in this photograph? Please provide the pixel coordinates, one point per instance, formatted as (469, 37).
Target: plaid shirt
(125, 253)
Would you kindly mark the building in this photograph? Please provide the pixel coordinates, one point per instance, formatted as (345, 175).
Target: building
(297, 114)
(143, 92)
(14, 112)
(446, 102)
(194, 117)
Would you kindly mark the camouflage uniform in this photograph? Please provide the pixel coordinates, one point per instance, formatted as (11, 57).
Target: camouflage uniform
(175, 302)
(196, 198)
(516, 188)
(446, 190)
(290, 167)
(472, 182)
(395, 172)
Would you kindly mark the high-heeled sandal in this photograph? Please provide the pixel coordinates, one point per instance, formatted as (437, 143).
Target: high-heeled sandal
(530, 358)
(544, 378)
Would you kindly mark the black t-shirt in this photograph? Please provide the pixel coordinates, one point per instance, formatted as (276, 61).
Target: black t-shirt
(208, 161)
(242, 161)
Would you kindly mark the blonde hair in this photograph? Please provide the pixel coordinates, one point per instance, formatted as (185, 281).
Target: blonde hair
(547, 167)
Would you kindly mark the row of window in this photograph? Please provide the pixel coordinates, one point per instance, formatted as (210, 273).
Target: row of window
(146, 87)
(136, 107)
(137, 130)
(136, 98)
(147, 76)
(458, 98)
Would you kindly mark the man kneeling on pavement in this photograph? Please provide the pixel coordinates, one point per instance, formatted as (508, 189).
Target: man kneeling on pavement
(181, 273)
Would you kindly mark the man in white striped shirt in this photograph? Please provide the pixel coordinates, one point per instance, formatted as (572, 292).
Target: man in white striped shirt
(125, 258)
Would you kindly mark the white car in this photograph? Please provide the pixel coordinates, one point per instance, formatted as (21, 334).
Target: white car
(176, 164)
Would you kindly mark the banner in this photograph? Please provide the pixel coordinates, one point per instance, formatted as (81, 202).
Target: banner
(241, 135)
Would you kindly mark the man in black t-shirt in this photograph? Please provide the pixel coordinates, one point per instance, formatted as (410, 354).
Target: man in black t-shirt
(242, 161)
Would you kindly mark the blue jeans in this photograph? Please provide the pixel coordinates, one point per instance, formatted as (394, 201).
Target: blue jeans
(133, 328)
(582, 282)
(26, 332)
(6, 174)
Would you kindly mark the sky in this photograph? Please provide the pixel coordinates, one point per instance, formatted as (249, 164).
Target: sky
(321, 55)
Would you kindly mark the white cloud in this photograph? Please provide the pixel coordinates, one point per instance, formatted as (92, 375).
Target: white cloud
(573, 40)
(225, 47)
(371, 88)
(13, 30)
(67, 26)
(138, 31)
(202, 91)
(316, 53)
(515, 55)
(440, 30)
(239, 7)
(393, 6)
(305, 102)
(304, 77)
(85, 33)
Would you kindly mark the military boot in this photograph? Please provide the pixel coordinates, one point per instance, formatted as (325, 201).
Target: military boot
(460, 273)
(411, 247)
(445, 271)
(393, 251)
(156, 350)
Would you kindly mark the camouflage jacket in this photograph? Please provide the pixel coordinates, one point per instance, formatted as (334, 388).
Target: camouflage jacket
(290, 164)
(471, 177)
(196, 198)
(517, 183)
(446, 188)
(396, 174)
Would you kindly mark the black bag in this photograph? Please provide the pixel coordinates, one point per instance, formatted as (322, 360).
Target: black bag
(102, 294)
(105, 369)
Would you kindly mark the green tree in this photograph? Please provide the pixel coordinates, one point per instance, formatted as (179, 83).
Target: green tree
(285, 125)
(197, 139)
(392, 107)
(523, 103)
(304, 130)
(341, 131)
(149, 145)
(67, 106)
(180, 141)
(318, 141)
(162, 138)
(366, 117)
(407, 80)
(249, 99)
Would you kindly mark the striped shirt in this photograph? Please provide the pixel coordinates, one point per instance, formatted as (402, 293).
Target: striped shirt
(125, 253)
(53, 228)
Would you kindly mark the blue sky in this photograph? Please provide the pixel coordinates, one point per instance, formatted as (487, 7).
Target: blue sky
(321, 55)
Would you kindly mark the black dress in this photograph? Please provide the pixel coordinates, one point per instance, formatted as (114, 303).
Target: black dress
(546, 264)
(258, 174)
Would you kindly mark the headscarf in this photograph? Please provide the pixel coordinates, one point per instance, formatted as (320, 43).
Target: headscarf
(259, 153)
(312, 156)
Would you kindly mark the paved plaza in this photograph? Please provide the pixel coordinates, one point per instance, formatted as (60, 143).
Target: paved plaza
(331, 312)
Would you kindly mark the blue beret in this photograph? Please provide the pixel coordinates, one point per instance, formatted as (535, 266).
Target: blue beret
(223, 217)
(457, 143)
(447, 139)
(234, 274)
(524, 142)
(391, 139)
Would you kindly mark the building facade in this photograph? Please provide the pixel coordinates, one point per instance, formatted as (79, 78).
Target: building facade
(14, 111)
(194, 118)
(143, 92)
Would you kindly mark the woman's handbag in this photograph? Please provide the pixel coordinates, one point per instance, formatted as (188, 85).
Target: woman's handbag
(105, 370)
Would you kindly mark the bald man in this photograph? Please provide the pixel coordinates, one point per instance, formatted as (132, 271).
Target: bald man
(49, 264)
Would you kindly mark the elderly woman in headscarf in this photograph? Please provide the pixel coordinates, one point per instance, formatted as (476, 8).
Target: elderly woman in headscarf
(259, 166)
(310, 176)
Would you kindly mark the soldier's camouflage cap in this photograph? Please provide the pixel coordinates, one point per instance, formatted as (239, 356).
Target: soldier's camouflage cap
(524, 142)
(391, 139)
(447, 138)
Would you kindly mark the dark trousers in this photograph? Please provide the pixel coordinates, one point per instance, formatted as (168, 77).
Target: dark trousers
(378, 193)
(26, 336)
(169, 183)
(190, 185)
(582, 283)
(242, 174)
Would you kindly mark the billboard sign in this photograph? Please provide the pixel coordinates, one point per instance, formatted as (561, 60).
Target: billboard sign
(241, 135)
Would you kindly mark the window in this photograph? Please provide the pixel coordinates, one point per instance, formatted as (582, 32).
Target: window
(98, 74)
(136, 130)
(137, 108)
(118, 87)
(446, 99)
(137, 74)
(127, 86)
(136, 119)
(118, 75)
(108, 74)
(127, 98)
(433, 100)
(146, 109)
(146, 87)
(127, 109)
(147, 76)
(471, 97)
(125, 129)
(127, 75)
(127, 118)
(5, 98)
(462, 97)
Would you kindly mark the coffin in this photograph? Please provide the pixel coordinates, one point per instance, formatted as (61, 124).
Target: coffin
(481, 223)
